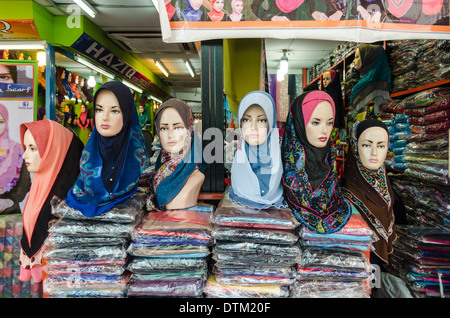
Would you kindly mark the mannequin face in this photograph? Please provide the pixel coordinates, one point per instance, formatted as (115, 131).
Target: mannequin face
(141, 109)
(196, 4)
(31, 154)
(2, 125)
(320, 125)
(172, 132)
(108, 115)
(373, 147)
(5, 75)
(83, 108)
(254, 125)
(218, 5)
(66, 108)
(357, 61)
(326, 78)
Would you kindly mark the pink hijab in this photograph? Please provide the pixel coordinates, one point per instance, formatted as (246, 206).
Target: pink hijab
(10, 157)
(52, 141)
(287, 6)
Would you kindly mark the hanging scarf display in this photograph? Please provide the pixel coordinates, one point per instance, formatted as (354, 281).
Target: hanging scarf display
(173, 170)
(375, 82)
(143, 118)
(256, 170)
(110, 167)
(83, 120)
(60, 152)
(370, 192)
(65, 82)
(310, 176)
(335, 91)
(10, 156)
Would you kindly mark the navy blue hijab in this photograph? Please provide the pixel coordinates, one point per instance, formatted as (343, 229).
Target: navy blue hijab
(110, 167)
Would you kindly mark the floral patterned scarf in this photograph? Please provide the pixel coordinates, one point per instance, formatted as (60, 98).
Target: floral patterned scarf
(323, 210)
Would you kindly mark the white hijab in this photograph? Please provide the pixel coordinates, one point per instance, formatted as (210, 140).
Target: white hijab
(245, 182)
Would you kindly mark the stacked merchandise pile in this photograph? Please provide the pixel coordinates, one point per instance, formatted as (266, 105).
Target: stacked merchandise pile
(255, 251)
(429, 121)
(422, 259)
(11, 229)
(398, 127)
(169, 253)
(86, 256)
(336, 264)
(414, 63)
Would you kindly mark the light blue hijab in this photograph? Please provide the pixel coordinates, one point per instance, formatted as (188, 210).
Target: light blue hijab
(256, 171)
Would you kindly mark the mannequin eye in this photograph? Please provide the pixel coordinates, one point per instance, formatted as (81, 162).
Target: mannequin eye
(245, 120)
(330, 123)
(365, 145)
(381, 146)
(264, 120)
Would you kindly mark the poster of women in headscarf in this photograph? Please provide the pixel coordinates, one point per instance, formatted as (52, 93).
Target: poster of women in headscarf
(344, 20)
(18, 80)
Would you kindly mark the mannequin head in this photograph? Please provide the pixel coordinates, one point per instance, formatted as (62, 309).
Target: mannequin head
(326, 78)
(31, 154)
(320, 124)
(83, 108)
(357, 61)
(172, 131)
(254, 125)
(141, 109)
(108, 114)
(373, 145)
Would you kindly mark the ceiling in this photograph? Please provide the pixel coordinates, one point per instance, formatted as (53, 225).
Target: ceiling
(134, 26)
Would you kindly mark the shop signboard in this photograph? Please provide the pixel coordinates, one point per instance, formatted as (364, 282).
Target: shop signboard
(91, 48)
(350, 20)
(18, 93)
(18, 30)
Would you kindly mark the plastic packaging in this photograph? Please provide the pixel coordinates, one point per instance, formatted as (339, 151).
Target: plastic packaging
(236, 234)
(128, 211)
(329, 289)
(214, 289)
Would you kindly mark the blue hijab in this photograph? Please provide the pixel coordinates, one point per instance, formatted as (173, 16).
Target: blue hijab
(110, 167)
(256, 171)
(190, 14)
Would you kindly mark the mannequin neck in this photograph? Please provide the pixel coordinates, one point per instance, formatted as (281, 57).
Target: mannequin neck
(188, 196)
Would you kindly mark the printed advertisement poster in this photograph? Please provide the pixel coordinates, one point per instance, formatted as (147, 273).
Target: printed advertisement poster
(340, 20)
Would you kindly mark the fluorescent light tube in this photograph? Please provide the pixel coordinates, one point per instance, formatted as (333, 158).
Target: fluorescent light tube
(189, 67)
(86, 7)
(132, 86)
(162, 67)
(22, 45)
(85, 62)
(155, 98)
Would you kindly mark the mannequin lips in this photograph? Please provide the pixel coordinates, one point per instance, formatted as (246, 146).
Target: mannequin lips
(27, 163)
(105, 126)
(323, 139)
(373, 160)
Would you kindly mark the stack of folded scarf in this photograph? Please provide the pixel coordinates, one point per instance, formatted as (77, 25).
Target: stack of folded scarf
(255, 251)
(422, 259)
(169, 253)
(335, 264)
(426, 203)
(10, 286)
(86, 256)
